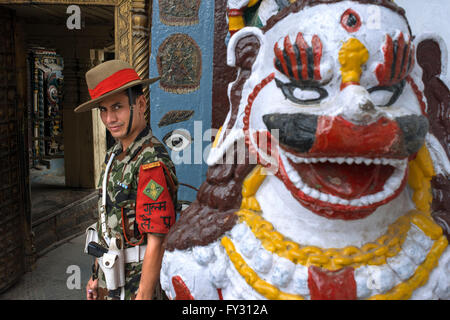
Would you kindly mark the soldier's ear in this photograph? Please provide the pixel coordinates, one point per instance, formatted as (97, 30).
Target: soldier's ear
(245, 48)
(141, 103)
(431, 55)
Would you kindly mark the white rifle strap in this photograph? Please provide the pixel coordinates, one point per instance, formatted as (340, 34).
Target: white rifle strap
(105, 232)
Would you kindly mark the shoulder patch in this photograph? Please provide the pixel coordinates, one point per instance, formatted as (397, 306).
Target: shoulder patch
(155, 211)
(153, 190)
(150, 165)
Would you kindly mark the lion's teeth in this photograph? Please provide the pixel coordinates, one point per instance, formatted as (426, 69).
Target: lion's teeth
(324, 197)
(306, 190)
(396, 163)
(333, 199)
(364, 201)
(357, 160)
(299, 185)
(295, 178)
(315, 194)
(378, 197)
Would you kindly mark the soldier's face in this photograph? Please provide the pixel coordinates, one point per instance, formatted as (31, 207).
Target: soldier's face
(115, 114)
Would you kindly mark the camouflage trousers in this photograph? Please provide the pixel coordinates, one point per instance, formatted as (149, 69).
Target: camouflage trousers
(132, 278)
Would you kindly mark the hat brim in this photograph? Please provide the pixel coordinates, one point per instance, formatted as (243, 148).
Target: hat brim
(91, 104)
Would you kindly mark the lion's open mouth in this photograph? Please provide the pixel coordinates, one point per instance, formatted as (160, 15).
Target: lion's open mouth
(337, 182)
(340, 169)
(354, 181)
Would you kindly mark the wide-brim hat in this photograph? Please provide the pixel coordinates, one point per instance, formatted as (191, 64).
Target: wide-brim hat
(109, 78)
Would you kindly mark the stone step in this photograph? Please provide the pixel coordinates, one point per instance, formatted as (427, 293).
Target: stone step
(56, 226)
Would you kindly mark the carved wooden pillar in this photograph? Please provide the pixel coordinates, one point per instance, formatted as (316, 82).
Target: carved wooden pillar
(123, 30)
(132, 37)
(141, 47)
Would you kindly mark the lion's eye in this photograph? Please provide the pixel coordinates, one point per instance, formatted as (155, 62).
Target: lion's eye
(178, 139)
(306, 93)
(385, 96)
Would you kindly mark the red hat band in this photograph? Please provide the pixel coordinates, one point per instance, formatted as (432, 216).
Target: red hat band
(113, 82)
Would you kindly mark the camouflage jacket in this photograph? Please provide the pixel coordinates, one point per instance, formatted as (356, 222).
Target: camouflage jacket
(123, 182)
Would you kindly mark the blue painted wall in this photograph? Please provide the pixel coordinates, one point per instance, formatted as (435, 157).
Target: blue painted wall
(200, 100)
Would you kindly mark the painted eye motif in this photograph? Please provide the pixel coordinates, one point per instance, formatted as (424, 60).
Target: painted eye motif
(351, 21)
(306, 93)
(385, 96)
(178, 140)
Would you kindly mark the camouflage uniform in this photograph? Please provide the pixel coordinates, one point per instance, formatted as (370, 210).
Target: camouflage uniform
(121, 193)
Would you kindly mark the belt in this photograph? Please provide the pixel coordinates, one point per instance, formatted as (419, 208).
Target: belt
(134, 254)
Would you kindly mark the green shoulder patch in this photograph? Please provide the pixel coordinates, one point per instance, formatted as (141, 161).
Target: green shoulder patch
(153, 190)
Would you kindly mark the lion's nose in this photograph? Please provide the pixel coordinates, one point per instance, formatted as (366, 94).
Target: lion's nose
(356, 105)
(367, 106)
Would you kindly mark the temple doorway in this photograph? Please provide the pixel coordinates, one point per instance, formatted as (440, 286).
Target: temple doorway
(48, 151)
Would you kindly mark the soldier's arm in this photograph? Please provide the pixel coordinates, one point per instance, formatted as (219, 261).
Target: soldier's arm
(150, 267)
(92, 285)
(155, 213)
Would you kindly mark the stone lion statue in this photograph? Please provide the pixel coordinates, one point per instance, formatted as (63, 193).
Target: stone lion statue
(326, 180)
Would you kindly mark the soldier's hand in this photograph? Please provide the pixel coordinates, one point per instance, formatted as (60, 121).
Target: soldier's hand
(91, 289)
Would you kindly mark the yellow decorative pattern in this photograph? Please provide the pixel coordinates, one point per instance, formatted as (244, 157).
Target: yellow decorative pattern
(251, 3)
(216, 139)
(352, 56)
(236, 23)
(427, 225)
(373, 253)
(404, 290)
(401, 291)
(421, 172)
(251, 277)
(253, 181)
(250, 203)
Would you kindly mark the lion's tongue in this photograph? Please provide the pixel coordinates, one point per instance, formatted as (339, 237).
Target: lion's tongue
(344, 180)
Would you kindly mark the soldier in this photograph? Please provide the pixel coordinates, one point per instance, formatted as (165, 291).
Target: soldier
(138, 189)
